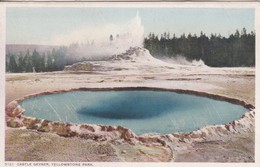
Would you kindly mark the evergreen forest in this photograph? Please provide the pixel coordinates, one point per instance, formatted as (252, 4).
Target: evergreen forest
(237, 50)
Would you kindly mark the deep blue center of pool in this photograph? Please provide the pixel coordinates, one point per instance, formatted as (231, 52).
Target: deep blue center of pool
(143, 111)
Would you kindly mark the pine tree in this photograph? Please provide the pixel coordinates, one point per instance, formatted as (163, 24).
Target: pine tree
(111, 38)
(12, 64)
(21, 65)
(49, 63)
(27, 60)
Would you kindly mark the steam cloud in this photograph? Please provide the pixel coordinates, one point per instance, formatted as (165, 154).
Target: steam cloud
(99, 42)
(180, 60)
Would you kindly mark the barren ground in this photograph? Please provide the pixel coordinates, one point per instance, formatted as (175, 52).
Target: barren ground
(29, 145)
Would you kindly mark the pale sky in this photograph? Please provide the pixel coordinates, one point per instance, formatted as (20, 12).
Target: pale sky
(41, 25)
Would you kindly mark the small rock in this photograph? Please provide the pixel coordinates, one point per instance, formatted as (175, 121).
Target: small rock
(123, 152)
(25, 135)
(44, 139)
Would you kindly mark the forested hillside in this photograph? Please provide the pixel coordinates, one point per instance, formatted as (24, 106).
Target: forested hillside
(237, 50)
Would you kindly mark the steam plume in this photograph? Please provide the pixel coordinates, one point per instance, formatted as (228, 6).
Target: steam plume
(97, 42)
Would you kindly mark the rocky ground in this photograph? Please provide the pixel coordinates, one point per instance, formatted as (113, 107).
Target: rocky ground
(30, 145)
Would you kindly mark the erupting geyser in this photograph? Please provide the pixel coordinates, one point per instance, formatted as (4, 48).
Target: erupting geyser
(99, 42)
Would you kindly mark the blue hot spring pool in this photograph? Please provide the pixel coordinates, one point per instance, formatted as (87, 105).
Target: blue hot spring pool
(142, 111)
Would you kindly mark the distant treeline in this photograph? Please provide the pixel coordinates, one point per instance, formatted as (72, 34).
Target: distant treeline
(55, 60)
(237, 50)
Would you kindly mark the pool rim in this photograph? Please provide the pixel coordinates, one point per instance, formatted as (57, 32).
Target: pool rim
(14, 111)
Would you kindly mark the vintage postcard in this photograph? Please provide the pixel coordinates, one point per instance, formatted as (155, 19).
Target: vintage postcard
(87, 84)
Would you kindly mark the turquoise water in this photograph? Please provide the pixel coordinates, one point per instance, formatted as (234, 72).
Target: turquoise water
(142, 111)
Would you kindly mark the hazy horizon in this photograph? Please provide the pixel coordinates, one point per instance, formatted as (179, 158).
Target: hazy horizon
(61, 26)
